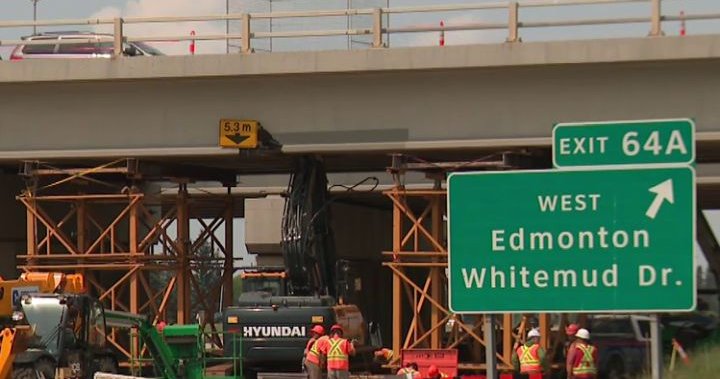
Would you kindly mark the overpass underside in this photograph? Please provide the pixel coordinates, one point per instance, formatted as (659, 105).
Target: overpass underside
(150, 128)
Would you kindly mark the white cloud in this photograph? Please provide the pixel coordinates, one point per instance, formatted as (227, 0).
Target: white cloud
(142, 8)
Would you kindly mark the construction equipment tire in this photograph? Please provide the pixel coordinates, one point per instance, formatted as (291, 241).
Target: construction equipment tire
(103, 364)
(23, 372)
(45, 368)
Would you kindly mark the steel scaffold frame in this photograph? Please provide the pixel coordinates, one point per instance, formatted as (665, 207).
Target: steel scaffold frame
(117, 257)
(419, 263)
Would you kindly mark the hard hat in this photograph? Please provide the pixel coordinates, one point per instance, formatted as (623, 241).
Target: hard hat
(433, 370)
(318, 329)
(336, 328)
(583, 333)
(384, 352)
(571, 329)
(533, 333)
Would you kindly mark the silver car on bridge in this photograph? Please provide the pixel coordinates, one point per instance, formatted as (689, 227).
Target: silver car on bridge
(85, 45)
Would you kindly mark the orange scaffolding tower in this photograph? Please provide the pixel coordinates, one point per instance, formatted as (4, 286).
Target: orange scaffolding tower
(418, 261)
(135, 251)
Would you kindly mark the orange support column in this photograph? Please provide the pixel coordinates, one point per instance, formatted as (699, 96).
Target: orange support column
(31, 224)
(183, 243)
(436, 285)
(397, 281)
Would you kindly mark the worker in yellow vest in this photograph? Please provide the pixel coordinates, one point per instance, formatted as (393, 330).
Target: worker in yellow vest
(583, 360)
(312, 359)
(409, 371)
(338, 351)
(569, 346)
(529, 359)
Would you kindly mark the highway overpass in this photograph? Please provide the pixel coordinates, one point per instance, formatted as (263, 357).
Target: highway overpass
(354, 103)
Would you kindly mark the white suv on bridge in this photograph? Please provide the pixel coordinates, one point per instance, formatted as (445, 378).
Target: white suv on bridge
(89, 45)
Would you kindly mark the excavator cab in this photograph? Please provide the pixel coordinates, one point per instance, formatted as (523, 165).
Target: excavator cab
(11, 291)
(68, 331)
(272, 282)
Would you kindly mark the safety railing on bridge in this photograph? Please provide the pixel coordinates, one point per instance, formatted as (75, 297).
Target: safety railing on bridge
(379, 31)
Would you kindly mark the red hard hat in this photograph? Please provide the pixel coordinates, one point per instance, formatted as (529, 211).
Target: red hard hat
(318, 329)
(571, 329)
(433, 370)
(336, 327)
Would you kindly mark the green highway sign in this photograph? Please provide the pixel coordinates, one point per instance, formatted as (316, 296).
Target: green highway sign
(607, 240)
(624, 142)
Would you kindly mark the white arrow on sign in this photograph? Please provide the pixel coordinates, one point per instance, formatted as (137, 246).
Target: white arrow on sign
(662, 191)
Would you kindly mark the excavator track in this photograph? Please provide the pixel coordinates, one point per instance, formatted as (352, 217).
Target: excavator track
(23, 373)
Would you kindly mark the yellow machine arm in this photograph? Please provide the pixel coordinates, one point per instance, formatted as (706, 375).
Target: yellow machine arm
(12, 343)
(37, 282)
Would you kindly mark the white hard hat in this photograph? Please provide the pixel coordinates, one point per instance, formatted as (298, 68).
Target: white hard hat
(533, 333)
(583, 333)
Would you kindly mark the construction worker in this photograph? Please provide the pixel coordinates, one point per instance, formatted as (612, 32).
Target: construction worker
(384, 355)
(435, 373)
(529, 359)
(338, 351)
(410, 371)
(584, 357)
(569, 346)
(311, 358)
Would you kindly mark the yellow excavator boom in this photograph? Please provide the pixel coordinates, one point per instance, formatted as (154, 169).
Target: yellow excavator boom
(37, 282)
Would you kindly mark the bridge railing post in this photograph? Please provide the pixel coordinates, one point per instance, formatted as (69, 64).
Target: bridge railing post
(377, 28)
(245, 35)
(513, 11)
(118, 37)
(656, 19)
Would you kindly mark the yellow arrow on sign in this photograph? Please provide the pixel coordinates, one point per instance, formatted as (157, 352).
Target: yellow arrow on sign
(239, 134)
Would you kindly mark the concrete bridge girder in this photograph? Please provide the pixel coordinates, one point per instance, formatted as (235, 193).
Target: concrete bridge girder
(476, 96)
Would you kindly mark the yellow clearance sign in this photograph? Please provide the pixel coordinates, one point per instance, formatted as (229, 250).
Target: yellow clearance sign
(239, 134)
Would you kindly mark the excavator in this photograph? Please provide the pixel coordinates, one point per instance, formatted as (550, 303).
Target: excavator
(274, 315)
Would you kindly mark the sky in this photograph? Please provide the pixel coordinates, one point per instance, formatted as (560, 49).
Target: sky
(65, 9)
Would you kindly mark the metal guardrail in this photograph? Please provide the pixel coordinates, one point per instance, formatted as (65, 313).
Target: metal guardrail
(377, 31)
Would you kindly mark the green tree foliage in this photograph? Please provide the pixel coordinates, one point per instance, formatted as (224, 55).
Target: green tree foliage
(207, 273)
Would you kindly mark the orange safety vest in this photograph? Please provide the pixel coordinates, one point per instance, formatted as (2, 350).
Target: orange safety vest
(529, 359)
(338, 354)
(312, 354)
(586, 366)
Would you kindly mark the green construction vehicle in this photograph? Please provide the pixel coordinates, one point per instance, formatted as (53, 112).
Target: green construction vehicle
(67, 331)
(70, 332)
(178, 352)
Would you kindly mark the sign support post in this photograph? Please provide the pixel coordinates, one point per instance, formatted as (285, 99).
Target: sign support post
(655, 348)
(490, 351)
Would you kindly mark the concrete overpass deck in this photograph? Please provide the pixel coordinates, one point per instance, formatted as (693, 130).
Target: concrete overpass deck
(355, 107)
(476, 97)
